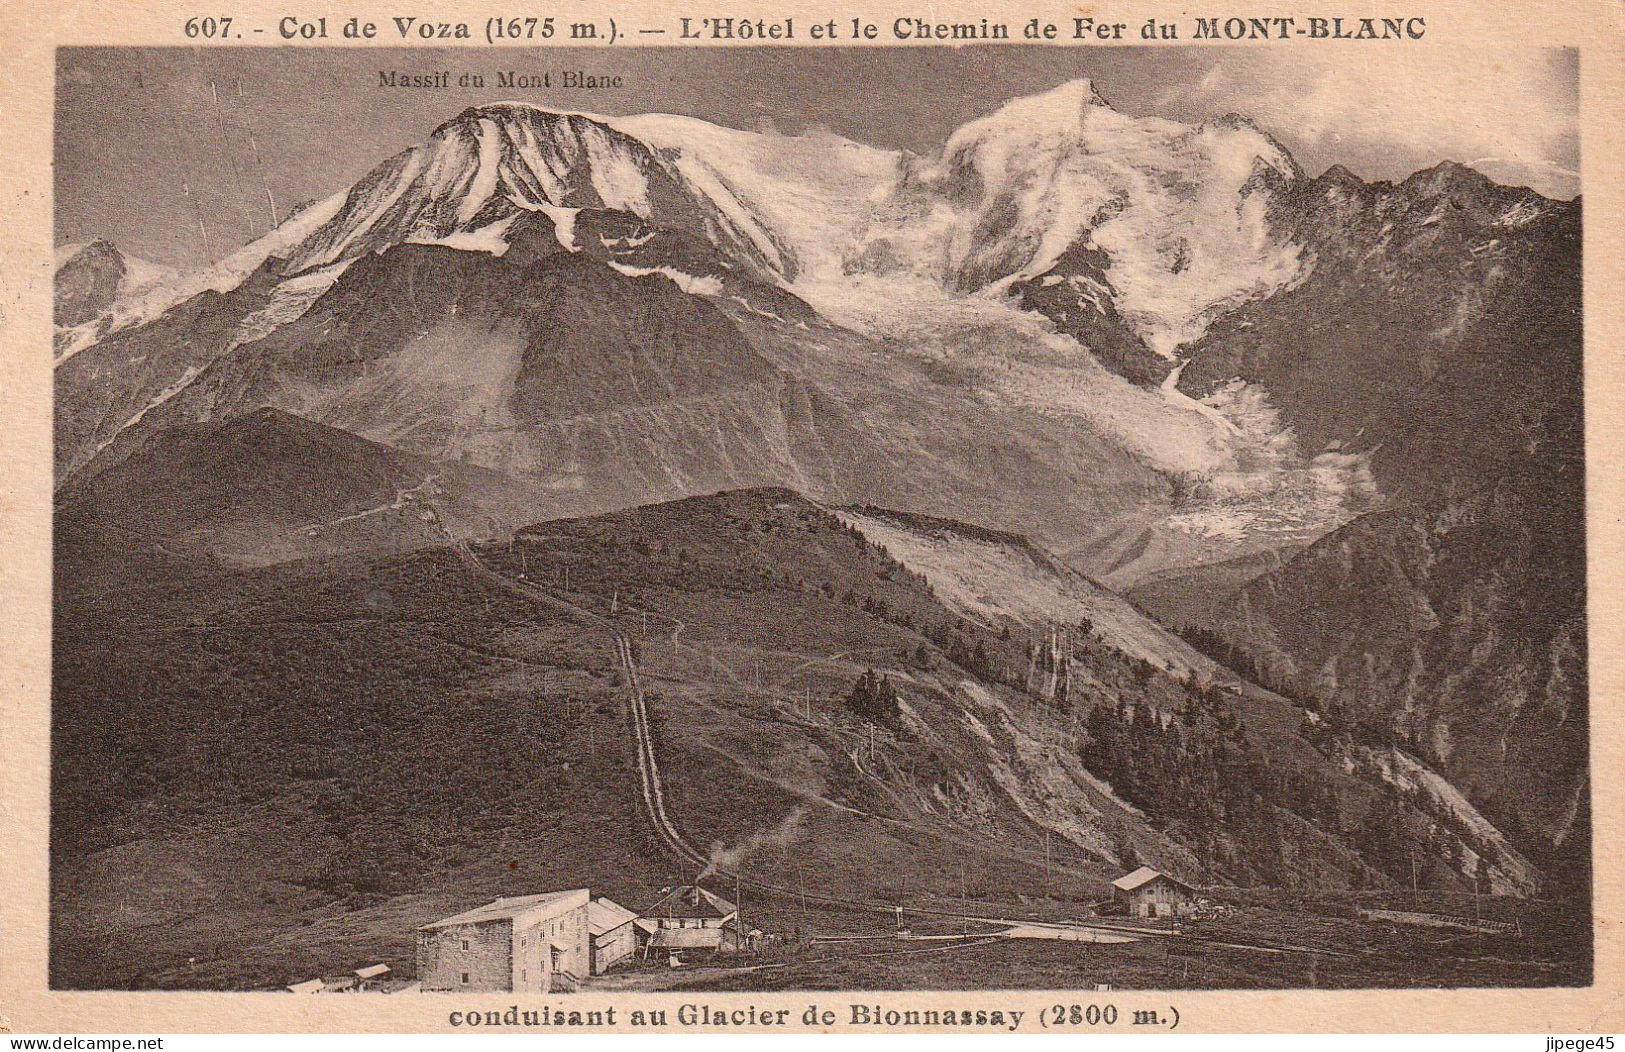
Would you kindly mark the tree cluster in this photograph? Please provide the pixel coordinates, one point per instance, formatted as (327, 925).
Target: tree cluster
(875, 699)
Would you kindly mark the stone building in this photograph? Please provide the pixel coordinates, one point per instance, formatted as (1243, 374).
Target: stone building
(532, 943)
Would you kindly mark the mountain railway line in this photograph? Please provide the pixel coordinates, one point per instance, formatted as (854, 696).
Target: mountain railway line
(652, 792)
(652, 800)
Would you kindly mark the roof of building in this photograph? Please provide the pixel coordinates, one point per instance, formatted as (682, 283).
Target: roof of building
(372, 971)
(690, 900)
(604, 915)
(507, 909)
(309, 986)
(1144, 875)
(687, 939)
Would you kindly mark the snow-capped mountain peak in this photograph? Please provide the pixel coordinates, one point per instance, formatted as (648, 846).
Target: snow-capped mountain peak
(91, 276)
(464, 186)
(1151, 226)
(1173, 211)
(491, 162)
(1063, 110)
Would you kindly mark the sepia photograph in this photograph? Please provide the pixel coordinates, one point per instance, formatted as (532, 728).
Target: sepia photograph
(581, 521)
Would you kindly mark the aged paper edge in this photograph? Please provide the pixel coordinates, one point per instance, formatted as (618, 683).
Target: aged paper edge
(32, 34)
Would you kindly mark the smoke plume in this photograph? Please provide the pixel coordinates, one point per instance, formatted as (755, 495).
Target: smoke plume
(782, 835)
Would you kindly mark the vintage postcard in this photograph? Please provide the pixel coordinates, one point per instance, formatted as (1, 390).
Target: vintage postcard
(849, 519)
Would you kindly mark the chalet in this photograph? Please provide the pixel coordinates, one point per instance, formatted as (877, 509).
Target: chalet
(688, 918)
(531, 943)
(614, 933)
(1149, 893)
(372, 977)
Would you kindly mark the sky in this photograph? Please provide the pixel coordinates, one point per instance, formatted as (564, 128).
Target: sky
(149, 139)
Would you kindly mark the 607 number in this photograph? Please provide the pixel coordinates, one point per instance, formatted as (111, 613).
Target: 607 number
(208, 28)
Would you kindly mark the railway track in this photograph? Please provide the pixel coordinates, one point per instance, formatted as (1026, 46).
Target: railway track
(651, 790)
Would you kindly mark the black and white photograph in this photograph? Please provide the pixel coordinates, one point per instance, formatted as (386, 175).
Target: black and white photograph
(747, 519)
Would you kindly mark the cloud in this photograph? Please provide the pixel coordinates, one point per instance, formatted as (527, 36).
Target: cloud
(1514, 114)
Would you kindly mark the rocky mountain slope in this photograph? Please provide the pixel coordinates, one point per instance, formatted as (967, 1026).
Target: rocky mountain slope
(92, 276)
(592, 383)
(1438, 334)
(922, 262)
(1439, 326)
(1455, 628)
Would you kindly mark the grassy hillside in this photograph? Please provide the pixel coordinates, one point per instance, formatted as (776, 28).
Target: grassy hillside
(268, 487)
(269, 773)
